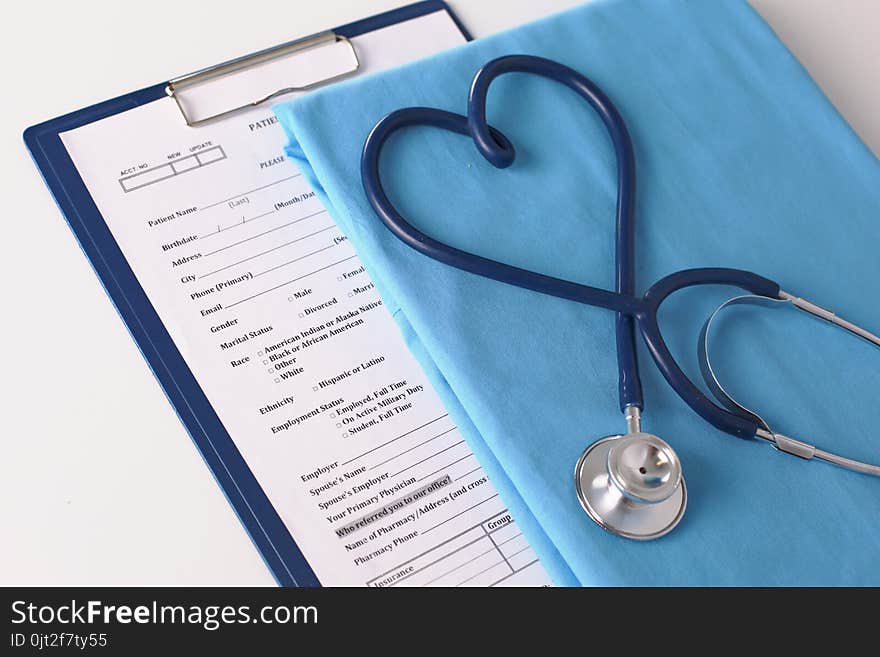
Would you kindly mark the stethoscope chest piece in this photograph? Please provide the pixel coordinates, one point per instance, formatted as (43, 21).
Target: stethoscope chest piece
(631, 485)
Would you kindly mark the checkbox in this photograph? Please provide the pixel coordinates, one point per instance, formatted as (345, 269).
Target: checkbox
(315, 388)
(270, 370)
(339, 278)
(277, 380)
(301, 315)
(339, 425)
(290, 298)
(259, 353)
(345, 435)
(351, 294)
(265, 362)
(332, 415)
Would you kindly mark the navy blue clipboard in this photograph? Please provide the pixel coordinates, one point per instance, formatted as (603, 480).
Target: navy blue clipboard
(235, 478)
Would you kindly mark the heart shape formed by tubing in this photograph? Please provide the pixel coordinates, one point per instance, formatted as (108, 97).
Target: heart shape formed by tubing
(498, 150)
(631, 310)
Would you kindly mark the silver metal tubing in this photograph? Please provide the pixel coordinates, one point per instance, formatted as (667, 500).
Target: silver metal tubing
(633, 417)
(849, 464)
(704, 354)
(782, 442)
(829, 316)
(805, 451)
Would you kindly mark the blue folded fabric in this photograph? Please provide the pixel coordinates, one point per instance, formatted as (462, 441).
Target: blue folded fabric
(741, 162)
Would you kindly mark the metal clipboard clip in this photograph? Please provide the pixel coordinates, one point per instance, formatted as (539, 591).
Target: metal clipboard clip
(178, 85)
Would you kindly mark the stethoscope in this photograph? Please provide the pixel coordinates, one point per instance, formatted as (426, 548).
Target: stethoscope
(631, 484)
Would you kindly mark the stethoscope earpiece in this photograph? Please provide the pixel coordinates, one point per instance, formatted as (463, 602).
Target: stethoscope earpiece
(632, 484)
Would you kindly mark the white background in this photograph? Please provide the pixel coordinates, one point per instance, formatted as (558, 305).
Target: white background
(99, 481)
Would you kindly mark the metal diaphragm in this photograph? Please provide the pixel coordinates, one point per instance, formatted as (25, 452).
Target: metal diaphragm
(631, 485)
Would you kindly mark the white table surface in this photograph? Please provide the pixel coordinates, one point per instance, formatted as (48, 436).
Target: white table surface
(99, 481)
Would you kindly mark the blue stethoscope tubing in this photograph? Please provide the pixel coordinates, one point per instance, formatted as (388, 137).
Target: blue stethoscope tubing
(631, 310)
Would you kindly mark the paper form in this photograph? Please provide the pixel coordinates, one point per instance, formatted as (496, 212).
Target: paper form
(290, 342)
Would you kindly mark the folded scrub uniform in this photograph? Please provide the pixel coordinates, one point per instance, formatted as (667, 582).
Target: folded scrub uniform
(741, 162)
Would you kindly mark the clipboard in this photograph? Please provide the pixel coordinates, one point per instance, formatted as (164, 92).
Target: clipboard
(262, 522)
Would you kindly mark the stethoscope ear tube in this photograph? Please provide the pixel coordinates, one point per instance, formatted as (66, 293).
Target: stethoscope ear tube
(704, 357)
(780, 441)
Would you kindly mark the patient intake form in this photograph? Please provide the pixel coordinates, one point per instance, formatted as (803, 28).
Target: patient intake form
(283, 330)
